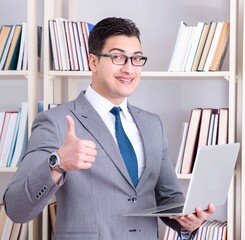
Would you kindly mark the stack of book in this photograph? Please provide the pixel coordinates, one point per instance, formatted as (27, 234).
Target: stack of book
(69, 44)
(14, 45)
(209, 230)
(10, 230)
(206, 126)
(13, 136)
(200, 48)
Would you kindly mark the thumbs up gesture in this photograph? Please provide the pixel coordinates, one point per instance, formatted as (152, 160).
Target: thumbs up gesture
(76, 153)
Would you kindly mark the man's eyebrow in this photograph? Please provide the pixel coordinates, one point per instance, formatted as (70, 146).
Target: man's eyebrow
(123, 51)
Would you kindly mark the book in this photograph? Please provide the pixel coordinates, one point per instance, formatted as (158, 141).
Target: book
(53, 44)
(210, 131)
(181, 148)
(221, 48)
(52, 214)
(184, 41)
(23, 232)
(223, 126)
(191, 31)
(22, 137)
(3, 219)
(6, 48)
(13, 54)
(22, 44)
(191, 141)
(70, 45)
(177, 47)
(63, 43)
(4, 34)
(215, 129)
(207, 45)
(8, 139)
(78, 46)
(194, 45)
(200, 47)
(213, 46)
(82, 46)
(15, 231)
(205, 125)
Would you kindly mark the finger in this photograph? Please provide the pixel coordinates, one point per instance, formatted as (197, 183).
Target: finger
(71, 126)
(89, 144)
(85, 165)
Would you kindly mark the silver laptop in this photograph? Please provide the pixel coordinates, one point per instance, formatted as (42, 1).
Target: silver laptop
(209, 183)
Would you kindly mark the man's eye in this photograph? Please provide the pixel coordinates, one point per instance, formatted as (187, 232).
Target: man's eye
(118, 57)
(138, 58)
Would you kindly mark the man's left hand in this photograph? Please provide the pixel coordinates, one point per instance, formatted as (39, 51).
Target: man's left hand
(193, 221)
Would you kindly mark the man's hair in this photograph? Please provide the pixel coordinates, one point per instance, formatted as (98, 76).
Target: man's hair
(108, 27)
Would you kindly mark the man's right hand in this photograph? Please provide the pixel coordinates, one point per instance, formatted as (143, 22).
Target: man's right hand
(76, 153)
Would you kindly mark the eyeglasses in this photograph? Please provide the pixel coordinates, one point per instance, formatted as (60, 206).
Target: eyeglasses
(120, 59)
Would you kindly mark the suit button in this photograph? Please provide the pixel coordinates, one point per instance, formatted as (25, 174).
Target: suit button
(134, 199)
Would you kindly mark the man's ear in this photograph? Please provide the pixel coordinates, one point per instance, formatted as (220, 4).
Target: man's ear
(93, 61)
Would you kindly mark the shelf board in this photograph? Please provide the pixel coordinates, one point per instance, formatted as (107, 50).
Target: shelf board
(13, 73)
(150, 74)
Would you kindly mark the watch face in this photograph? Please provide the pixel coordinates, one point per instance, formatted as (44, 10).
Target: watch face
(53, 160)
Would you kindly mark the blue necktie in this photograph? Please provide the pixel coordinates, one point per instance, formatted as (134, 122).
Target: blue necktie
(125, 146)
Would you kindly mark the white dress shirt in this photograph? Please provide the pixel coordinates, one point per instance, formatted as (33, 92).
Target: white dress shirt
(103, 107)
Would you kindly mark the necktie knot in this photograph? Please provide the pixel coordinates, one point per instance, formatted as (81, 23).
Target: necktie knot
(116, 111)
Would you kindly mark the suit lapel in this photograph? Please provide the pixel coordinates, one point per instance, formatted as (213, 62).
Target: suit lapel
(93, 123)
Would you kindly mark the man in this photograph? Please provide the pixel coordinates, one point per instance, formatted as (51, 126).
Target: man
(75, 153)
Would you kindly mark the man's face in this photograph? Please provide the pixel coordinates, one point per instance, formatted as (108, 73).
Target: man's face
(115, 82)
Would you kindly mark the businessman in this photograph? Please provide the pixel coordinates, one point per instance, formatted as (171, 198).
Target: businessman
(99, 155)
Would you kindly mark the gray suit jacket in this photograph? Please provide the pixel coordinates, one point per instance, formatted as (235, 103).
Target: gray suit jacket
(90, 203)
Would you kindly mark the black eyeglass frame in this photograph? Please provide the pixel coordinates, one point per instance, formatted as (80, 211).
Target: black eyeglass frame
(126, 58)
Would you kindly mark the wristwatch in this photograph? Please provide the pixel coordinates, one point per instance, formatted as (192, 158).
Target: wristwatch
(54, 162)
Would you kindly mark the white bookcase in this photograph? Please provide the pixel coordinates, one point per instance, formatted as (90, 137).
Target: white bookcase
(170, 94)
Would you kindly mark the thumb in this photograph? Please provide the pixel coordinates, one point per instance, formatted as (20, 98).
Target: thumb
(71, 126)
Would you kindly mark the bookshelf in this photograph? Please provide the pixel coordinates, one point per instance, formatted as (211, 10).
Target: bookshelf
(61, 86)
(27, 78)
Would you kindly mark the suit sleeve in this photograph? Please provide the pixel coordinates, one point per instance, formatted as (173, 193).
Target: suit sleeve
(32, 185)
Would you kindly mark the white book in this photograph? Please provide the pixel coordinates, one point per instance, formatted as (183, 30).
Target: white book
(177, 46)
(25, 55)
(183, 46)
(7, 229)
(2, 115)
(10, 152)
(194, 46)
(22, 136)
(188, 48)
(23, 232)
(182, 147)
(83, 46)
(53, 45)
(213, 46)
(215, 129)
(73, 45)
(22, 45)
(78, 47)
(211, 127)
(62, 44)
(69, 45)
(4, 132)
(8, 139)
